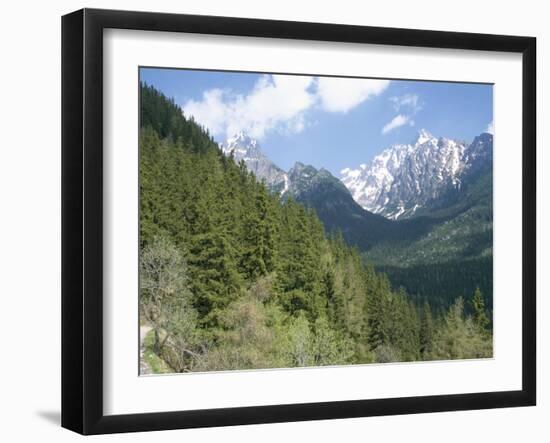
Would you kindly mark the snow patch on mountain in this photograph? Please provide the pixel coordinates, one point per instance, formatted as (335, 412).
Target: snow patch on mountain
(397, 182)
(242, 147)
(404, 177)
(299, 179)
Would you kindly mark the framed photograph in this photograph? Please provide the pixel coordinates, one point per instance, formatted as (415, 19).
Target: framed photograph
(269, 221)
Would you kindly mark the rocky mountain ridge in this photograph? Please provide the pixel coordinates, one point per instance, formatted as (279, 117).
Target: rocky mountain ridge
(405, 177)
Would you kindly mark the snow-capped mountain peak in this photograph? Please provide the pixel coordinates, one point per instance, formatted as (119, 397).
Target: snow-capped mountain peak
(240, 144)
(396, 183)
(247, 149)
(404, 177)
(423, 136)
(299, 179)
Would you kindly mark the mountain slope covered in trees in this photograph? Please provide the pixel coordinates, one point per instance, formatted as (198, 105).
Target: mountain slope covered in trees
(456, 254)
(233, 277)
(440, 247)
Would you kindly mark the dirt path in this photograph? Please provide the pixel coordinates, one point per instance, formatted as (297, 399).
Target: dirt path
(143, 331)
(144, 368)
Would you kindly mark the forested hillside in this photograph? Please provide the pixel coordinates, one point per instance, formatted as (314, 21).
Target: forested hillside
(438, 249)
(231, 277)
(456, 254)
(443, 252)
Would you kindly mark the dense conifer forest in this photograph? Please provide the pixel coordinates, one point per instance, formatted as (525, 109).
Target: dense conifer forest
(232, 277)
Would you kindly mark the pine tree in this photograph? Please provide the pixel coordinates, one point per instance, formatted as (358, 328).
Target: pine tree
(258, 257)
(377, 316)
(299, 276)
(215, 280)
(426, 332)
(478, 307)
(457, 337)
(334, 304)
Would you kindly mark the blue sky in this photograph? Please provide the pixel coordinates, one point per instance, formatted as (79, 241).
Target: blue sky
(326, 122)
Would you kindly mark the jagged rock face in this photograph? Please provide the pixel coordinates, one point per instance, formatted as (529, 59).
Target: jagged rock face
(404, 178)
(300, 178)
(400, 182)
(305, 178)
(479, 154)
(244, 148)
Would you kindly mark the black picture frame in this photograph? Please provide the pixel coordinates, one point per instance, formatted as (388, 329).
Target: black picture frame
(82, 220)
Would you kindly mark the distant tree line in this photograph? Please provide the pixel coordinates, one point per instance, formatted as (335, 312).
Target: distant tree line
(442, 283)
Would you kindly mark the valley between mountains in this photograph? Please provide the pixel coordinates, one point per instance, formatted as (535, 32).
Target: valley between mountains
(420, 212)
(244, 265)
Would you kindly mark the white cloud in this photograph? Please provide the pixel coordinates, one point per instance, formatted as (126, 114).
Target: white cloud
(396, 122)
(343, 94)
(275, 102)
(278, 102)
(490, 128)
(407, 101)
(211, 111)
(410, 103)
